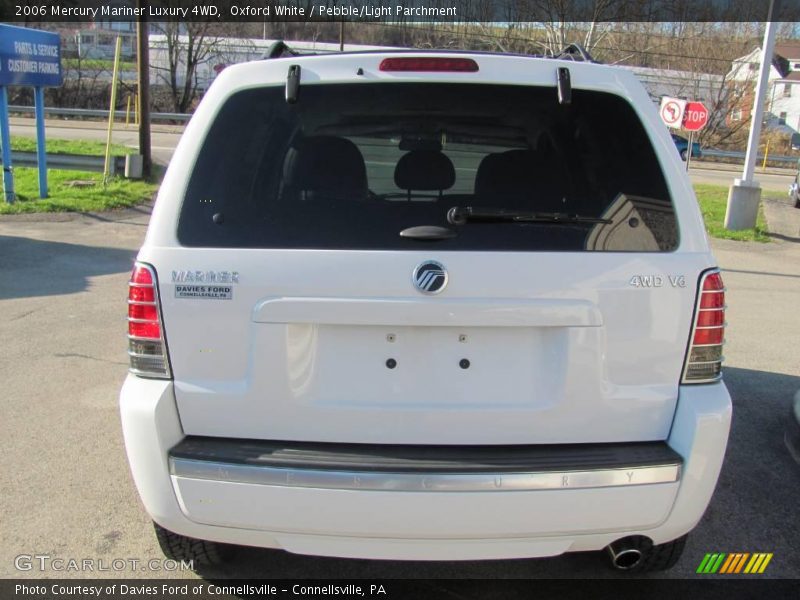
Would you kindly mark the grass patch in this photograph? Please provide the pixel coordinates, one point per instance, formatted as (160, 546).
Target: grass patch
(97, 64)
(713, 200)
(119, 193)
(83, 147)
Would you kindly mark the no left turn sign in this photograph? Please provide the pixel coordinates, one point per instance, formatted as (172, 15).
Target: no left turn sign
(671, 112)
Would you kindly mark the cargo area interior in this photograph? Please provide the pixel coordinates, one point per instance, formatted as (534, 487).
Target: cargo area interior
(388, 157)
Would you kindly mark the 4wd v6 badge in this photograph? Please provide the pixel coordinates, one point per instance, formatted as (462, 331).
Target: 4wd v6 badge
(211, 292)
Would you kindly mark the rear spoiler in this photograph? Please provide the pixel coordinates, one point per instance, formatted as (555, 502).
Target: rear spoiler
(574, 52)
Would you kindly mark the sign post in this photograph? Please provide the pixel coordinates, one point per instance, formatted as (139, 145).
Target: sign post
(744, 196)
(5, 142)
(28, 57)
(107, 163)
(41, 153)
(695, 117)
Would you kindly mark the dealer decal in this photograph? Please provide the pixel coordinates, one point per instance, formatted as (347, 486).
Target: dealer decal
(210, 292)
(195, 276)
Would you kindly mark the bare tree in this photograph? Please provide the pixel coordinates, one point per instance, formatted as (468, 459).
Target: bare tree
(186, 46)
(564, 22)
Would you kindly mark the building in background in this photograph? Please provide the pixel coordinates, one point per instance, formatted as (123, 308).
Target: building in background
(701, 87)
(97, 39)
(783, 95)
(224, 51)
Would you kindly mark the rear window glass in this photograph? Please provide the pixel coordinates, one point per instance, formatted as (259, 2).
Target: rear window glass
(351, 166)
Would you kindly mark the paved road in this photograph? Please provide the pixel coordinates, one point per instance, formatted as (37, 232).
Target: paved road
(165, 138)
(774, 180)
(66, 489)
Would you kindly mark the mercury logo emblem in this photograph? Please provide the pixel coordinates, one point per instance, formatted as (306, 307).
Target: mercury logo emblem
(430, 277)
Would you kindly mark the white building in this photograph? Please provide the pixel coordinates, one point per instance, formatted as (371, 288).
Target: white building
(783, 94)
(227, 51)
(700, 87)
(224, 51)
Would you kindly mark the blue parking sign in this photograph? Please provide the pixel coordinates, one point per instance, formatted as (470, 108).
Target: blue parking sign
(29, 57)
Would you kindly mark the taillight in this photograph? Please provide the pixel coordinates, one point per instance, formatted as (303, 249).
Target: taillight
(147, 349)
(429, 64)
(704, 358)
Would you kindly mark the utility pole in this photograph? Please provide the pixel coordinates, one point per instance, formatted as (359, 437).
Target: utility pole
(143, 68)
(341, 36)
(745, 193)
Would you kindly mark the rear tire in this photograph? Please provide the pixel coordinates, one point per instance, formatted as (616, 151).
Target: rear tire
(182, 548)
(658, 557)
(684, 155)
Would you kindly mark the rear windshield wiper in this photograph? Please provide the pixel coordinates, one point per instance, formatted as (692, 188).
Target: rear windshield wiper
(459, 215)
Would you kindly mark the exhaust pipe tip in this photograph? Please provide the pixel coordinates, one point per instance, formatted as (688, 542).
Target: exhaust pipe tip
(628, 553)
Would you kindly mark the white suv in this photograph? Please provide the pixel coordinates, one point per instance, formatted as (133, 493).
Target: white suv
(409, 305)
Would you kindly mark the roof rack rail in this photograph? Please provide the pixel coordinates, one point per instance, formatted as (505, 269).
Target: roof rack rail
(575, 52)
(280, 49)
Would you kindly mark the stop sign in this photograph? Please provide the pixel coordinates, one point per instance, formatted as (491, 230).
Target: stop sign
(695, 117)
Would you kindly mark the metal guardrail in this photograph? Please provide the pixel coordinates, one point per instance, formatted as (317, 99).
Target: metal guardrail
(92, 113)
(184, 118)
(741, 155)
(72, 162)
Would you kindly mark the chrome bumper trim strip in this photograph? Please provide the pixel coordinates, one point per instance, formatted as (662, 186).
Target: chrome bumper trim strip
(422, 482)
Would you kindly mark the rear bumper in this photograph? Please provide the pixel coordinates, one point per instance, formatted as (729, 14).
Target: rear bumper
(431, 516)
(396, 468)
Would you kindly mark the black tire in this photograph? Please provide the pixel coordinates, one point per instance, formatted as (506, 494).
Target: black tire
(200, 552)
(658, 557)
(684, 155)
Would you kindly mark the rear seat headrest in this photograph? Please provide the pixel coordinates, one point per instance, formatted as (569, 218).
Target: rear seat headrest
(328, 164)
(424, 170)
(506, 172)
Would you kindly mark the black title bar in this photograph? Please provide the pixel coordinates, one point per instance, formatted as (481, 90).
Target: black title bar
(393, 589)
(394, 11)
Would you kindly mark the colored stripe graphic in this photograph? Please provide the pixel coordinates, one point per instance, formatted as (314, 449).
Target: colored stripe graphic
(724, 563)
(749, 566)
(703, 563)
(758, 563)
(735, 562)
(740, 565)
(752, 564)
(765, 563)
(716, 565)
(711, 562)
(732, 559)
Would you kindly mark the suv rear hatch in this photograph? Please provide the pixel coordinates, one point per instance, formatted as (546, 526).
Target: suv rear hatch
(426, 258)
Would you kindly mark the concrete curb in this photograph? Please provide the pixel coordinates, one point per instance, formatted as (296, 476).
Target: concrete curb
(119, 214)
(700, 165)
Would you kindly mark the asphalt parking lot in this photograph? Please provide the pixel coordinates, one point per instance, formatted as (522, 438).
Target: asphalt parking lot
(66, 487)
